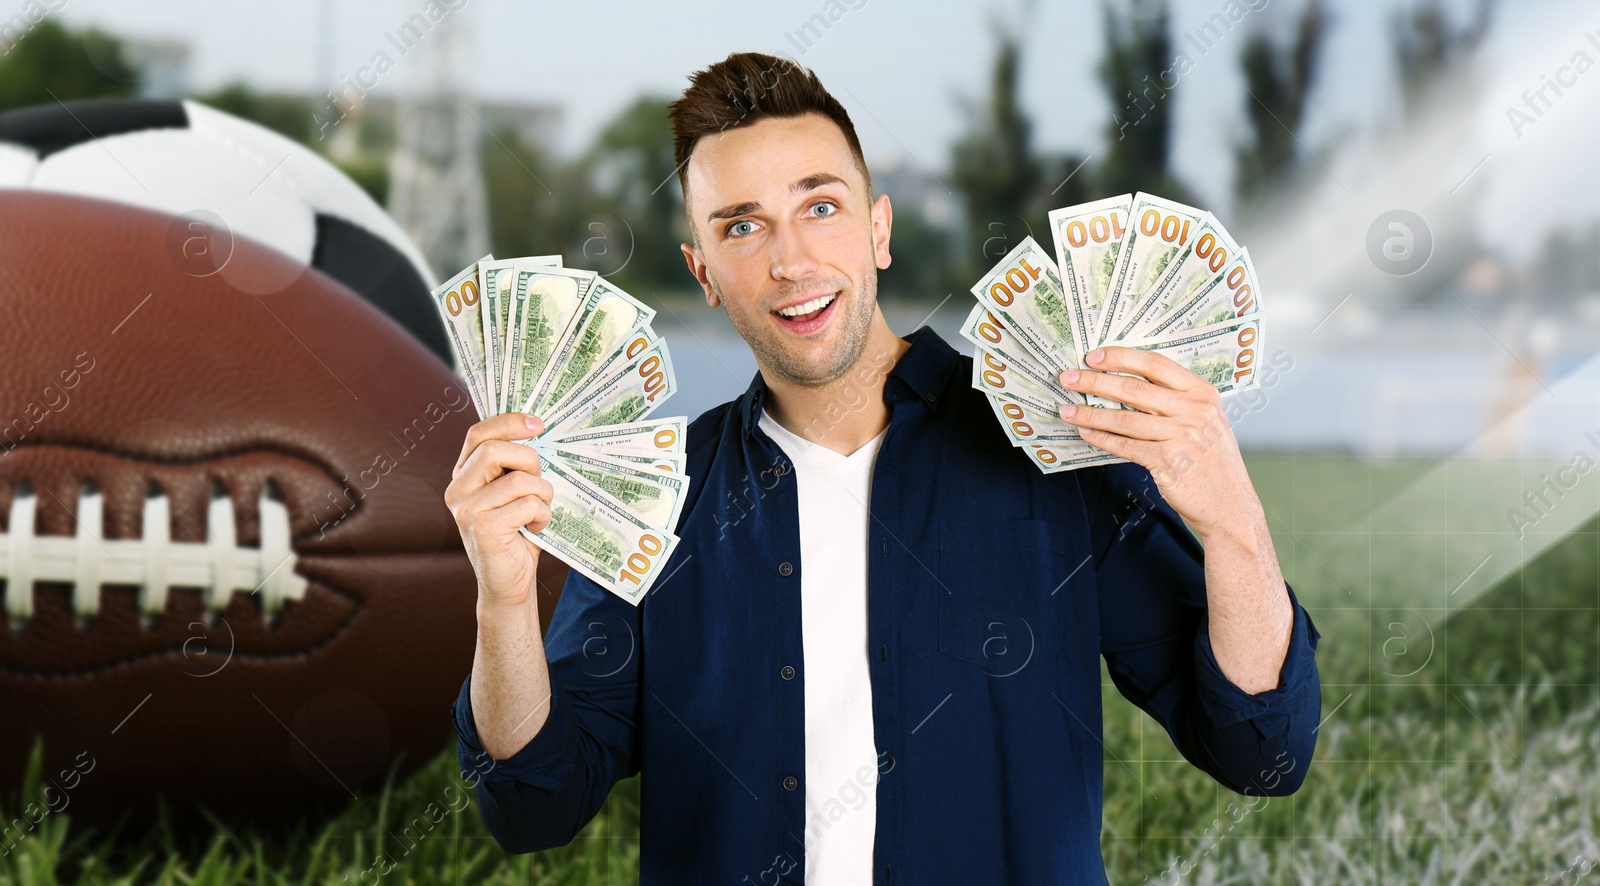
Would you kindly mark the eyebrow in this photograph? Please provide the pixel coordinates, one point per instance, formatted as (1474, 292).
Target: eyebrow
(809, 183)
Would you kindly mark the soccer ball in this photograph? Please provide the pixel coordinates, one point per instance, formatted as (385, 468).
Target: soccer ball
(222, 178)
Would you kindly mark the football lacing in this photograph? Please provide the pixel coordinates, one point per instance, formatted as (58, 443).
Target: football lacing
(219, 565)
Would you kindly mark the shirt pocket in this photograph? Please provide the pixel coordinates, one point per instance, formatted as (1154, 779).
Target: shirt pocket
(996, 577)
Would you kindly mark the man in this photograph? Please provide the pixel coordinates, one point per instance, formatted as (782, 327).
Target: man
(875, 655)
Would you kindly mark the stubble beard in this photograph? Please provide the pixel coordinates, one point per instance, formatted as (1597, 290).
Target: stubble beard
(856, 328)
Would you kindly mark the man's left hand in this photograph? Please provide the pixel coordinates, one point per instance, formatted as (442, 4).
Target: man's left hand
(1181, 434)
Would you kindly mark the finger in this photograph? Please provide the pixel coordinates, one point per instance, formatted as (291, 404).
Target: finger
(1158, 368)
(1124, 422)
(512, 494)
(1135, 392)
(529, 511)
(506, 426)
(507, 489)
(486, 463)
(1141, 452)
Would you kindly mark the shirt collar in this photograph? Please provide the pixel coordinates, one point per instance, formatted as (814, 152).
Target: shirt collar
(920, 375)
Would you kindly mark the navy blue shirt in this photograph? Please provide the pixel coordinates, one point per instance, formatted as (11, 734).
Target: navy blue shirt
(993, 591)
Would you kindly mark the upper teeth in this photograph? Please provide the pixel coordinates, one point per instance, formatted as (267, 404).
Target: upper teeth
(815, 304)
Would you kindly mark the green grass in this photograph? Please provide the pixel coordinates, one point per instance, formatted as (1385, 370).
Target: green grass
(1467, 752)
(394, 838)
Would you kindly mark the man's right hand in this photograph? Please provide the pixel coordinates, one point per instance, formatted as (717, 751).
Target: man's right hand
(496, 491)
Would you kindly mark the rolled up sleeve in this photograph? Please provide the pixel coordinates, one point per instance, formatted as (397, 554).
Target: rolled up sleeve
(1156, 640)
(544, 794)
(1279, 720)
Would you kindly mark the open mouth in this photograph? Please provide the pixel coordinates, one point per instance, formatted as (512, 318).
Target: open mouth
(808, 316)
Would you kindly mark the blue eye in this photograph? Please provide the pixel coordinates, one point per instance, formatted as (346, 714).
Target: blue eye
(740, 228)
(828, 207)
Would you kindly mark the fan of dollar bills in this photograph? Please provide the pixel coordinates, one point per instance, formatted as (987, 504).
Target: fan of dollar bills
(1137, 271)
(568, 346)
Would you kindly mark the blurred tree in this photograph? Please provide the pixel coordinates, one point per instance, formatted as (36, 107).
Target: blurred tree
(1007, 189)
(1278, 80)
(922, 268)
(52, 63)
(632, 167)
(1139, 77)
(1434, 56)
(993, 166)
(1004, 185)
(1071, 177)
(534, 199)
(1429, 46)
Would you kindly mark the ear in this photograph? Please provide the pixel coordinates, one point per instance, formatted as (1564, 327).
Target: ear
(702, 275)
(882, 221)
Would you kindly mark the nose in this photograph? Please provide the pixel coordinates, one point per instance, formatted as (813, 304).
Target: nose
(791, 255)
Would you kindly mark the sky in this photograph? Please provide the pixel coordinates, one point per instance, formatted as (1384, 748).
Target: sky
(901, 67)
(901, 64)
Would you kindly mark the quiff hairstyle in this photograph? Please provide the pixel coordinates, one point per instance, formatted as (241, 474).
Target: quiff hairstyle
(746, 88)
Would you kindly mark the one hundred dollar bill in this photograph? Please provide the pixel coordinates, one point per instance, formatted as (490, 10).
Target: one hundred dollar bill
(664, 462)
(598, 536)
(1225, 354)
(654, 496)
(460, 302)
(1198, 263)
(650, 435)
(1088, 238)
(496, 277)
(1024, 425)
(1138, 271)
(1025, 293)
(995, 375)
(1232, 294)
(627, 393)
(605, 318)
(547, 303)
(1056, 457)
(986, 331)
(1158, 229)
(530, 333)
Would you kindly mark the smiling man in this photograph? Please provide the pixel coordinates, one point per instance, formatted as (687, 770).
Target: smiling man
(875, 657)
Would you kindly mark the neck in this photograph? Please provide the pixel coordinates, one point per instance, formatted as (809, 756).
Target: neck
(847, 412)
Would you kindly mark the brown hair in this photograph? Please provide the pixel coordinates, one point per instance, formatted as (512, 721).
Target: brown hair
(748, 87)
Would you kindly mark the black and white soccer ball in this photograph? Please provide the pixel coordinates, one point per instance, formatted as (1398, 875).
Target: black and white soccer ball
(221, 177)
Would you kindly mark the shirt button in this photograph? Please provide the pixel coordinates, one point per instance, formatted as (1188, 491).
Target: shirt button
(780, 469)
(787, 672)
(785, 569)
(930, 397)
(790, 783)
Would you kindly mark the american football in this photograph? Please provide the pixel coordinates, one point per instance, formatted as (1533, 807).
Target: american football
(230, 579)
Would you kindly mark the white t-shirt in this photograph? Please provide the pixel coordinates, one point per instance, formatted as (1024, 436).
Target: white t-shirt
(841, 752)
